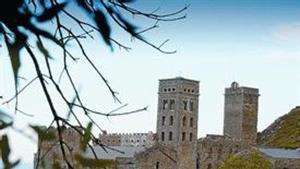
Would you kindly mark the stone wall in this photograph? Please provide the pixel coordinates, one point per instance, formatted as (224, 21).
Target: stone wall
(128, 139)
(240, 113)
(157, 157)
(214, 149)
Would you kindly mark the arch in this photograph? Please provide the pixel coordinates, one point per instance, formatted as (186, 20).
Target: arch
(191, 105)
(191, 122)
(170, 136)
(157, 165)
(183, 121)
(191, 136)
(183, 136)
(185, 104)
(163, 120)
(162, 136)
(164, 104)
(172, 104)
(171, 121)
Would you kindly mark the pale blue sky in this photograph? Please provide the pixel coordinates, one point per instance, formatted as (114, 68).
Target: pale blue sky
(253, 42)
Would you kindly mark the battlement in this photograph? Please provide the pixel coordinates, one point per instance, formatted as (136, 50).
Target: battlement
(235, 89)
(127, 139)
(178, 85)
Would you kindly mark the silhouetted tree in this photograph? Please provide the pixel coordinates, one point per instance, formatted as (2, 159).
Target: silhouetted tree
(22, 29)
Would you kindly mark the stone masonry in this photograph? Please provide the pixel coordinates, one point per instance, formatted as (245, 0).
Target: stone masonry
(240, 113)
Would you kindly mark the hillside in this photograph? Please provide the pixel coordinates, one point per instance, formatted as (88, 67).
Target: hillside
(284, 132)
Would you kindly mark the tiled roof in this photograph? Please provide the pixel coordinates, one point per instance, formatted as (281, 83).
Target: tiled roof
(112, 152)
(281, 153)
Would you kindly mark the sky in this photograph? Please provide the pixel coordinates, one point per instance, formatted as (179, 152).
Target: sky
(253, 42)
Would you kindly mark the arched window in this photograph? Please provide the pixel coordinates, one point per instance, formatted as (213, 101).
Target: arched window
(157, 165)
(183, 121)
(183, 136)
(170, 136)
(191, 122)
(165, 104)
(184, 104)
(162, 136)
(171, 120)
(172, 104)
(191, 136)
(163, 120)
(191, 106)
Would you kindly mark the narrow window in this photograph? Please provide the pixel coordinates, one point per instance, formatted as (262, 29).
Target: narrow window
(191, 122)
(170, 136)
(157, 165)
(162, 136)
(183, 121)
(183, 136)
(184, 105)
(165, 104)
(171, 120)
(172, 104)
(191, 136)
(163, 120)
(191, 106)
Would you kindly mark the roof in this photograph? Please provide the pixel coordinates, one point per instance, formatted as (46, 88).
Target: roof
(281, 153)
(112, 152)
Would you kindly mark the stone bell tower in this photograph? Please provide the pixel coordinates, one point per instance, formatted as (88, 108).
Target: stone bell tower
(240, 113)
(177, 118)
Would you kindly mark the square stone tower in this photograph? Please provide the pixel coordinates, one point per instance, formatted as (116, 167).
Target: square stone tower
(177, 118)
(240, 113)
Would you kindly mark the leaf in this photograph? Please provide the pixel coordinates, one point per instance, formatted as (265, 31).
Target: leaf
(43, 49)
(83, 4)
(94, 163)
(4, 125)
(43, 134)
(130, 28)
(5, 152)
(14, 54)
(103, 26)
(49, 13)
(125, 1)
(86, 136)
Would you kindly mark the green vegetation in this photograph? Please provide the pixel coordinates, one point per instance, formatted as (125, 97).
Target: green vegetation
(246, 160)
(287, 134)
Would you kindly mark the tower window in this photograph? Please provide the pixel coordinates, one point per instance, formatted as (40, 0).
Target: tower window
(172, 104)
(163, 120)
(184, 105)
(183, 136)
(191, 122)
(157, 165)
(191, 136)
(165, 104)
(171, 120)
(191, 106)
(170, 136)
(183, 121)
(162, 136)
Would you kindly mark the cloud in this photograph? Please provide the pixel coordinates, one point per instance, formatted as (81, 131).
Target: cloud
(288, 32)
